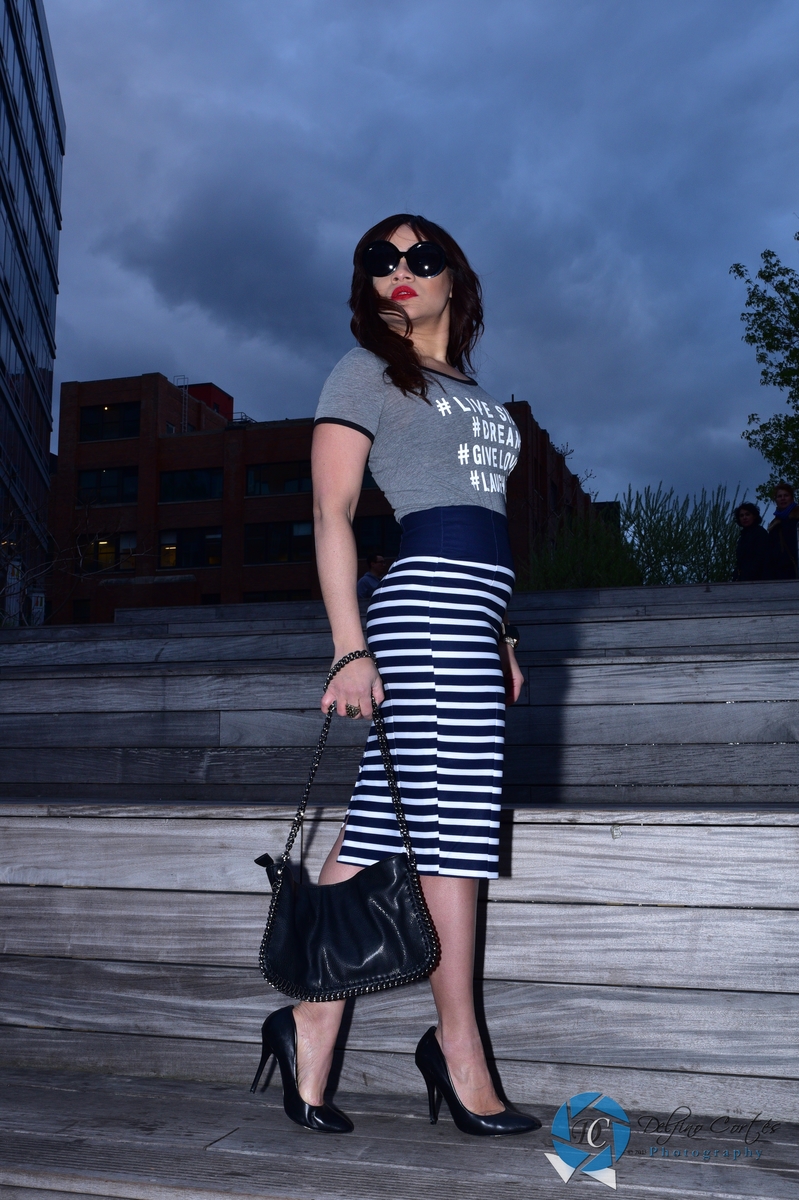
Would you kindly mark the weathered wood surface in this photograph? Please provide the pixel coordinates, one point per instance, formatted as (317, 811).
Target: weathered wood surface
(157, 765)
(749, 722)
(185, 855)
(644, 697)
(651, 797)
(664, 682)
(662, 958)
(573, 766)
(27, 730)
(175, 1141)
(291, 611)
(134, 1140)
(589, 634)
(700, 597)
(620, 975)
(726, 1032)
(611, 945)
(679, 634)
(219, 648)
(624, 817)
(147, 729)
(199, 691)
(373, 1073)
(700, 866)
(606, 682)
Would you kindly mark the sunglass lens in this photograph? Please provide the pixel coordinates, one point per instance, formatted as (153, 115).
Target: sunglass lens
(380, 258)
(426, 259)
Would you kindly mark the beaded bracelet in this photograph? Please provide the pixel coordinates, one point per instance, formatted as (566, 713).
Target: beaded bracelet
(342, 662)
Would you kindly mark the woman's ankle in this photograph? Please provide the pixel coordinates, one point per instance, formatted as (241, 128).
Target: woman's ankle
(463, 1045)
(318, 1020)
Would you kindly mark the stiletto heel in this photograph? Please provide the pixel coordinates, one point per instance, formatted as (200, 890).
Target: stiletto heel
(266, 1054)
(433, 1098)
(433, 1068)
(279, 1034)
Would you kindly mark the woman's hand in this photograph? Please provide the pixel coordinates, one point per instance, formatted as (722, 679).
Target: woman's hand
(511, 672)
(354, 685)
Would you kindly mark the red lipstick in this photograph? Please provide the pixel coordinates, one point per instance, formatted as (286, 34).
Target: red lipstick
(403, 293)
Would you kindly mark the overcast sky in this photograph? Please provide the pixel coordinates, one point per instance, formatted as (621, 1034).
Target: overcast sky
(602, 163)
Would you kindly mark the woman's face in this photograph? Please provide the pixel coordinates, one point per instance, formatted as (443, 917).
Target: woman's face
(782, 498)
(424, 300)
(746, 518)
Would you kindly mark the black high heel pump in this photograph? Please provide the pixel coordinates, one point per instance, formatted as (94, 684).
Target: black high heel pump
(433, 1066)
(279, 1035)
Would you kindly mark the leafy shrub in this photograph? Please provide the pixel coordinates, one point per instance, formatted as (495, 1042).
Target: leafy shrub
(659, 539)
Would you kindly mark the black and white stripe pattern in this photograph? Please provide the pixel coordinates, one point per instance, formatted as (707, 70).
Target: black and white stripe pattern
(433, 625)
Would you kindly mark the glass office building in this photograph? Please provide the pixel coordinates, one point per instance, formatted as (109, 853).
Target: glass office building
(31, 153)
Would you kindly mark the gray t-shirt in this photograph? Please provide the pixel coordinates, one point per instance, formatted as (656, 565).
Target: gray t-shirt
(458, 449)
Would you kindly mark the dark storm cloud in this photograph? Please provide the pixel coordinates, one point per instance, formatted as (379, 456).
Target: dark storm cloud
(250, 260)
(602, 164)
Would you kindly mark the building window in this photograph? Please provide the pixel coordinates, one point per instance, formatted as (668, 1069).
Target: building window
(107, 552)
(110, 485)
(381, 534)
(276, 594)
(278, 541)
(190, 548)
(203, 484)
(278, 479)
(100, 422)
(211, 598)
(170, 428)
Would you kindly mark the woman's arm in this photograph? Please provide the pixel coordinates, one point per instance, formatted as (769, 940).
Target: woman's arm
(338, 458)
(512, 673)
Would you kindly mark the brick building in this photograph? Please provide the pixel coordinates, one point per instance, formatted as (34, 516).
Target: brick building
(163, 495)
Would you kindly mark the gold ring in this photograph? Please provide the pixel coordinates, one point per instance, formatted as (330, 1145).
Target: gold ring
(352, 710)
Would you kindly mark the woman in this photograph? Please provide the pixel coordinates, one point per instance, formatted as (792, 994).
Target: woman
(441, 450)
(752, 550)
(782, 533)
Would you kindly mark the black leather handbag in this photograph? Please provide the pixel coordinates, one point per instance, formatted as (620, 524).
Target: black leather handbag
(367, 934)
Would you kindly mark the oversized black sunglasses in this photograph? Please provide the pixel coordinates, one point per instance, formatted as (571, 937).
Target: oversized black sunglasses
(425, 259)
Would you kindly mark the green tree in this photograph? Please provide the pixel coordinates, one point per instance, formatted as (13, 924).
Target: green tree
(771, 319)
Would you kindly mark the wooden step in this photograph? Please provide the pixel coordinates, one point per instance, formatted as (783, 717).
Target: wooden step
(79, 1136)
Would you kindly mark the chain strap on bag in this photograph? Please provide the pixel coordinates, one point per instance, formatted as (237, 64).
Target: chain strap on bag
(366, 934)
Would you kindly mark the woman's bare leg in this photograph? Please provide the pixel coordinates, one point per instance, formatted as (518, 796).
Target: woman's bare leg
(318, 1024)
(452, 902)
(453, 906)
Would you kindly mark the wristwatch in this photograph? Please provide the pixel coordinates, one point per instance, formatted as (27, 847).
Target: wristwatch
(509, 634)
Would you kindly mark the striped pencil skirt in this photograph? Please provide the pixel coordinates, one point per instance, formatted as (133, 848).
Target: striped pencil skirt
(433, 626)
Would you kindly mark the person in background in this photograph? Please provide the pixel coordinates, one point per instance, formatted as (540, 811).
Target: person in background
(376, 567)
(782, 534)
(753, 549)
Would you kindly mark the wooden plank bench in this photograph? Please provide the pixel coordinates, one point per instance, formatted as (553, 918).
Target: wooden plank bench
(641, 938)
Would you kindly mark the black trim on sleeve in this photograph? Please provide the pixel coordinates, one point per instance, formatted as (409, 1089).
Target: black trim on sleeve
(340, 421)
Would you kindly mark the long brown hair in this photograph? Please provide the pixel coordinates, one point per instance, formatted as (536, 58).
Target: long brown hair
(396, 349)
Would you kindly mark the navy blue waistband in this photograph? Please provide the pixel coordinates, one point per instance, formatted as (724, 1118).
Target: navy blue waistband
(462, 531)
